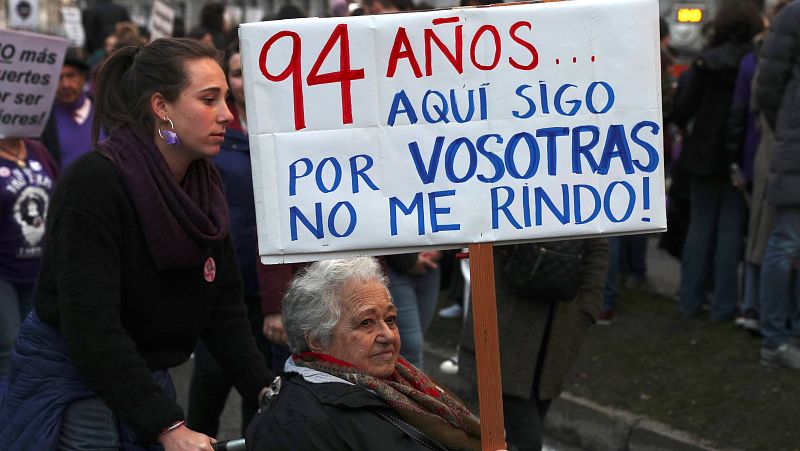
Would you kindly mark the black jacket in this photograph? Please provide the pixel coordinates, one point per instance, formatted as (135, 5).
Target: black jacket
(325, 416)
(702, 104)
(777, 93)
(121, 317)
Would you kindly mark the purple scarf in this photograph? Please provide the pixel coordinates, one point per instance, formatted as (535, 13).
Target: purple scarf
(180, 221)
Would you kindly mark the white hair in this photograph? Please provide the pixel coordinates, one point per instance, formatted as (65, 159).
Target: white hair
(312, 307)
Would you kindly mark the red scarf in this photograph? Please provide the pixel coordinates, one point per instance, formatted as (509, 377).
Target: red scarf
(417, 399)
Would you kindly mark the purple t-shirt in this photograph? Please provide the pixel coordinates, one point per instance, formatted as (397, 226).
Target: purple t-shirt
(24, 199)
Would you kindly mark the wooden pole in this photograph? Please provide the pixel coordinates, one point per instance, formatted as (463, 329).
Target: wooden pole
(487, 345)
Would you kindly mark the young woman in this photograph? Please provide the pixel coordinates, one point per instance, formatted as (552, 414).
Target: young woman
(139, 265)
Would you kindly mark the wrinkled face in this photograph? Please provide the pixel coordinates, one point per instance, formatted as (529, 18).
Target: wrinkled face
(366, 334)
(70, 84)
(200, 113)
(235, 78)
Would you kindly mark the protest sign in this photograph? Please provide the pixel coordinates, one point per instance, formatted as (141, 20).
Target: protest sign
(73, 26)
(23, 14)
(30, 65)
(378, 134)
(162, 20)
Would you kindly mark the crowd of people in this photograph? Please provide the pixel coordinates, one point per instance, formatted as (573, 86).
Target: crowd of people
(128, 244)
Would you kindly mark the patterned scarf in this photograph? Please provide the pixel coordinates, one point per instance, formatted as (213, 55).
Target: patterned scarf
(180, 221)
(416, 398)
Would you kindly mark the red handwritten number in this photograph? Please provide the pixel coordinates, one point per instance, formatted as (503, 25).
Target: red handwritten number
(293, 68)
(344, 76)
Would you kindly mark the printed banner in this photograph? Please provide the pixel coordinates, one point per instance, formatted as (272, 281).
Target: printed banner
(30, 65)
(381, 134)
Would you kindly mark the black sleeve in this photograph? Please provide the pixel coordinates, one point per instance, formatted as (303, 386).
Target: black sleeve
(88, 275)
(687, 96)
(229, 336)
(401, 262)
(778, 56)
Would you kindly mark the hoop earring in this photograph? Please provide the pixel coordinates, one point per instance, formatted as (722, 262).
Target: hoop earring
(169, 136)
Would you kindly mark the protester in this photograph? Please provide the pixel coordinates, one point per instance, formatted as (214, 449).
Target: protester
(138, 265)
(776, 90)
(539, 340)
(100, 21)
(67, 134)
(209, 384)
(414, 283)
(213, 20)
(346, 386)
(748, 144)
(27, 178)
(717, 208)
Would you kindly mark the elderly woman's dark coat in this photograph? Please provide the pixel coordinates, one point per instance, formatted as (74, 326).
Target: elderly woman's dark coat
(327, 416)
(523, 322)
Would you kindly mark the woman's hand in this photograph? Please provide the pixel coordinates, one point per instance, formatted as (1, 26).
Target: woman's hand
(273, 329)
(185, 439)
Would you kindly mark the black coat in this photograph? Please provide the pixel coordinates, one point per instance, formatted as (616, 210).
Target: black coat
(325, 416)
(777, 93)
(702, 105)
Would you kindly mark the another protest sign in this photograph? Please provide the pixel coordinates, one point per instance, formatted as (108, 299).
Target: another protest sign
(30, 65)
(372, 135)
(23, 14)
(73, 26)
(162, 20)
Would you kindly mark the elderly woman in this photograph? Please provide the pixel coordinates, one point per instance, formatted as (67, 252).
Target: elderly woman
(346, 386)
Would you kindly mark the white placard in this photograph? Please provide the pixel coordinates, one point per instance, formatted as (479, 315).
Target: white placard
(73, 26)
(377, 134)
(162, 18)
(30, 65)
(23, 14)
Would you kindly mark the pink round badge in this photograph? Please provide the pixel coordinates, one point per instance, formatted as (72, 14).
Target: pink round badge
(210, 270)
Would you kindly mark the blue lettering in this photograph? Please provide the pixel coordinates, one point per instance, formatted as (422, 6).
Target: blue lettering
(576, 195)
(496, 207)
(552, 133)
(427, 175)
(470, 109)
(496, 161)
(408, 109)
(616, 139)
(356, 172)
(607, 201)
(436, 211)
(590, 97)
(337, 174)
(450, 156)
(531, 104)
(332, 219)
(576, 104)
(533, 149)
(416, 204)
(579, 149)
(539, 196)
(293, 174)
(440, 110)
(652, 153)
(295, 214)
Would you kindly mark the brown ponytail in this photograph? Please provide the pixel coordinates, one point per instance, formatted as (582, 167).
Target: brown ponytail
(131, 75)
